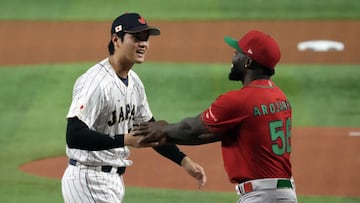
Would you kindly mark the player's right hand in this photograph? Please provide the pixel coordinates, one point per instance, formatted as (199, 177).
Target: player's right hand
(151, 132)
(134, 141)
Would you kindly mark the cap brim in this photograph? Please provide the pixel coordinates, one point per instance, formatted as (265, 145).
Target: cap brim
(233, 43)
(152, 30)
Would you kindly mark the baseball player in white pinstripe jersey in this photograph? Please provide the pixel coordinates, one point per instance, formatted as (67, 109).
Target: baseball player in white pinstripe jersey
(107, 101)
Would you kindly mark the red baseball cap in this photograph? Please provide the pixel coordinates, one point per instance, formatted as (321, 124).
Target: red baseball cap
(259, 46)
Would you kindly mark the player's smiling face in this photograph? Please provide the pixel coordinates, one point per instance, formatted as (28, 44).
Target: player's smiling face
(135, 46)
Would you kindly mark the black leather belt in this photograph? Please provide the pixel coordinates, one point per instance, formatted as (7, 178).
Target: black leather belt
(106, 169)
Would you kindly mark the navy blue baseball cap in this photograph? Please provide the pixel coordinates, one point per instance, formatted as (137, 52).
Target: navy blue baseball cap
(132, 23)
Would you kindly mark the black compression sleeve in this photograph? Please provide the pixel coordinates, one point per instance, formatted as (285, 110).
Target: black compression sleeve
(170, 151)
(79, 136)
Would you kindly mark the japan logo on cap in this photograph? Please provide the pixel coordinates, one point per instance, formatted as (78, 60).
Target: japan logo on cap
(118, 28)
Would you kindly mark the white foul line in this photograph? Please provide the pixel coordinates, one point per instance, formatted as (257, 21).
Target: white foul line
(354, 133)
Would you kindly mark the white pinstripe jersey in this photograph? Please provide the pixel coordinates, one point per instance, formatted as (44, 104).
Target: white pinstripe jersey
(107, 105)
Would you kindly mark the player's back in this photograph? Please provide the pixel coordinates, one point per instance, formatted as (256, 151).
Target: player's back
(261, 141)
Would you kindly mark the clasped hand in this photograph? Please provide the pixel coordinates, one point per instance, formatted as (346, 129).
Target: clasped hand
(151, 132)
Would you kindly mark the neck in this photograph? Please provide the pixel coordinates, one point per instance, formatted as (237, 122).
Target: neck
(251, 78)
(121, 68)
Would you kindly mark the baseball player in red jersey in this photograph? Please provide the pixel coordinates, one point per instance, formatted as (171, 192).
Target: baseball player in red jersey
(107, 101)
(252, 123)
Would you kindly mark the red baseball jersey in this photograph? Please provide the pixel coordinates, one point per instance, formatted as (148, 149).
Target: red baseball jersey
(255, 127)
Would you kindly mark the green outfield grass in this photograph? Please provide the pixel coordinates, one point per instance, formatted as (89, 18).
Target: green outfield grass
(34, 101)
(179, 10)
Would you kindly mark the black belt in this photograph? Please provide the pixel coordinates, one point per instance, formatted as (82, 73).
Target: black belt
(106, 169)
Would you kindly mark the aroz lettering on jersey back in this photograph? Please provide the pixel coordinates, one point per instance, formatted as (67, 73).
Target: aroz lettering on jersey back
(117, 117)
(272, 108)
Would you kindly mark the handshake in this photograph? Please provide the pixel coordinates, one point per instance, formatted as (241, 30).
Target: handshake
(189, 131)
(148, 134)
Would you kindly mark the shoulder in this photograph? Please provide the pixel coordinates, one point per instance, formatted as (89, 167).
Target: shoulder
(102, 69)
(96, 76)
(229, 99)
(134, 76)
(97, 70)
(231, 95)
(135, 79)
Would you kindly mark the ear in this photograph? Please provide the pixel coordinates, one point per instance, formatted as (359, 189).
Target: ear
(248, 62)
(114, 38)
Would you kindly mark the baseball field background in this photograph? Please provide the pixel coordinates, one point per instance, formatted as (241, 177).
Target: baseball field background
(39, 67)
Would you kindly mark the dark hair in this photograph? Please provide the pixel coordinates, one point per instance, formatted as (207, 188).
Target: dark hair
(262, 70)
(111, 48)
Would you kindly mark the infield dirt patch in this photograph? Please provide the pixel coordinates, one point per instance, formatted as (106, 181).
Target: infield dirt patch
(58, 42)
(325, 160)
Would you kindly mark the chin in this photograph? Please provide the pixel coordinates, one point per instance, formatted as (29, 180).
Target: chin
(139, 60)
(235, 77)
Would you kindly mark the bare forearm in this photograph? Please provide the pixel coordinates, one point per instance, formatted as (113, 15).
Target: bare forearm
(202, 139)
(189, 131)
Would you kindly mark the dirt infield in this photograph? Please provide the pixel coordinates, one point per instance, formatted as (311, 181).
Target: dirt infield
(52, 42)
(325, 160)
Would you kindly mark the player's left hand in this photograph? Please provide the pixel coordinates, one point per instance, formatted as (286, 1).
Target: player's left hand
(195, 170)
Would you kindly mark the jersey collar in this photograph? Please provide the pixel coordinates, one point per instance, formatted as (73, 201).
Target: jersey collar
(261, 83)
